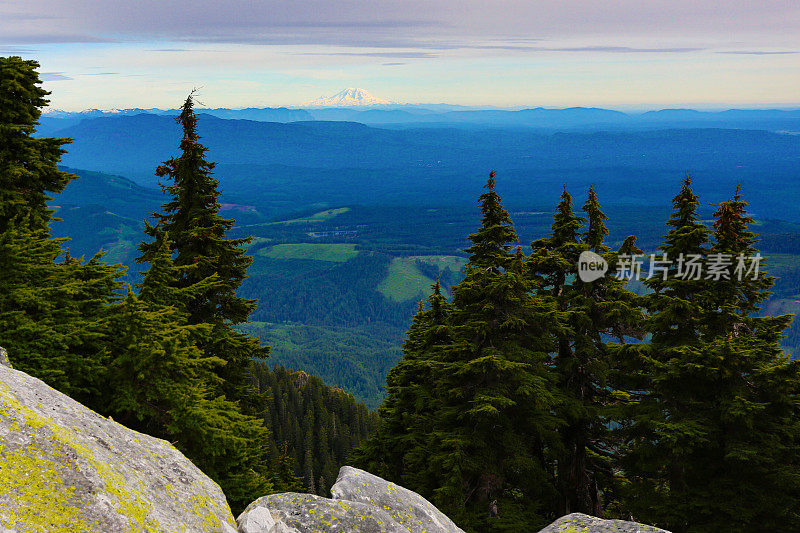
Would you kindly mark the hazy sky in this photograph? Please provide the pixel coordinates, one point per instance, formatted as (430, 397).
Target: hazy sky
(611, 53)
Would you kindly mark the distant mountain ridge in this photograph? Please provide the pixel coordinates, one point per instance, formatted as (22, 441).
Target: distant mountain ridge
(434, 115)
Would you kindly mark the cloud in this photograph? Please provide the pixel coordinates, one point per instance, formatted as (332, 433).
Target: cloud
(758, 52)
(393, 64)
(387, 55)
(53, 76)
(100, 74)
(595, 48)
(49, 38)
(637, 26)
(16, 50)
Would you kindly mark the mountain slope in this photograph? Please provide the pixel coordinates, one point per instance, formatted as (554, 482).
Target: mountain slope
(347, 98)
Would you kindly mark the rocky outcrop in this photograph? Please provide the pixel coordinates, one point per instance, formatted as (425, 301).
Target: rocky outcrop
(4, 358)
(307, 513)
(365, 503)
(361, 503)
(417, 514)
(581, 523)
(65, 468)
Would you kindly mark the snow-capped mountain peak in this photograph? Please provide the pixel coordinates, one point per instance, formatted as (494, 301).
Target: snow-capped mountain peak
(347, 98)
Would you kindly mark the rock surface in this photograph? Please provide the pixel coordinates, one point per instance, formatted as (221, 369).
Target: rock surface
(361, 503)
(408, 508)
(4, 358)
(291, 512)
(581, 523)
(65, 468)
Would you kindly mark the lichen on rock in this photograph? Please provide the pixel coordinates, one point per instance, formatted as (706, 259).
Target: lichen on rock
(407, 507)
(581, 523)
(65, 468)
(293, 512)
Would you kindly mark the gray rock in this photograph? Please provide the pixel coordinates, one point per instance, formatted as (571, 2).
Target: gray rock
(308, 513)
(255, 519)
(65, 468)
(581, 523)
(408, 508)
(4, 358)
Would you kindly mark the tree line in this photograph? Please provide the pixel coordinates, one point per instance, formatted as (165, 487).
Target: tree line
(531, 393)
(163, 356)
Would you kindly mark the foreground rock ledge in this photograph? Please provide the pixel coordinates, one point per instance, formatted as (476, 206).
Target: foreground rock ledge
(361, 503)
(581, 523)
(365, 503)
(408, 508)
(63, 467)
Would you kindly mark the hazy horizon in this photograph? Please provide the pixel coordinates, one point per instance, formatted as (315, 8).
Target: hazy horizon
(620, 54)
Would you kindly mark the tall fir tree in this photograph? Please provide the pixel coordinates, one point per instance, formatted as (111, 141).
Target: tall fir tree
(27, 164)
(52, 312)
(661, 426)
(592, 312)
(163, 383)
(713, 435)
(400, 447)
(198, 235)
(495, 425)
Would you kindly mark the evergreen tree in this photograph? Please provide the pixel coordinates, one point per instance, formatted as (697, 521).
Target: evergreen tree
(495, 423)
(51, 311)
(592, 312)
(165, 385)
(738, 294)
(399, 448)
(713, 436)
(198, 236)
(285, 474)
(722, 405)
(662, 425)
(27, 164)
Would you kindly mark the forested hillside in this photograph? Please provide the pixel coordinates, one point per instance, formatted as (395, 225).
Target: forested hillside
(342, 280)
(314, 427)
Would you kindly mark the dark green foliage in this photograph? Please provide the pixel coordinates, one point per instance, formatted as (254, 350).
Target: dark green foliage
(27, 165)
(313, 427)
(712, 433)
(589, 314)
(198, 237)
(161, 383)
(52, 312)
(199, 284)
(496, 418)
(469, 414)
(399, 448)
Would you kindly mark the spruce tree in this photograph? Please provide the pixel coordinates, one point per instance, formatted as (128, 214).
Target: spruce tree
(591, 313)
(163, 383)
(662, 425)
(400, 447)
(727, 399)
(198, 236)
(51, 306)
(495, 424)
(27, 164)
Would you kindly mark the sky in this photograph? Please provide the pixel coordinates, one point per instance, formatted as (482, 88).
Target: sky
(622, 54)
